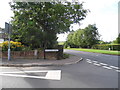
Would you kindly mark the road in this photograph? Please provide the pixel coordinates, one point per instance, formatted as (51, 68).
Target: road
(95, 71)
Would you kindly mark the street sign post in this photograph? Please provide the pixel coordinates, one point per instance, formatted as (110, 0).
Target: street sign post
(8, 30)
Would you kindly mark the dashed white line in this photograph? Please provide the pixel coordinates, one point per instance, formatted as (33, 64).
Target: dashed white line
(106, 67)
(96, 64)
(103, 64)
(89, 61)
(95, 61)
(114, 67)
(118, 70)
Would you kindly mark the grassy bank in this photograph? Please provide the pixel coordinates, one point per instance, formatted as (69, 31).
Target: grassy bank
(97, 51)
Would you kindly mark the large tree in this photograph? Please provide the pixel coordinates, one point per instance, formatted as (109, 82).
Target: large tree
(84, 38)
(91, 35)
(117, 41)
(37, 23)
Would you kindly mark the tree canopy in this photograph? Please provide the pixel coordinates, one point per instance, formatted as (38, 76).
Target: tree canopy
(84, 38)
(37, 23)
(117, 41)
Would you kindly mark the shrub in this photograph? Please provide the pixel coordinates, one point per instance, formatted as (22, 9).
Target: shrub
(66, 55)
(14, 46)
(107, 46)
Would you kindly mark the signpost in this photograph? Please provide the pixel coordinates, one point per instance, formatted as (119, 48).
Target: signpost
(8, 30)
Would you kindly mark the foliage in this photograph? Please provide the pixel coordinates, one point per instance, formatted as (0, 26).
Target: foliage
(36, 23)
(14, 46)
(117, 41)
(66, 56)
(107, 46)
(84, 38)
(61, 43)
(103, 42)
(97, 51)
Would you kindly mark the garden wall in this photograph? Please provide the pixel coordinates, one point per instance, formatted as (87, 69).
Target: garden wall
(55, 54)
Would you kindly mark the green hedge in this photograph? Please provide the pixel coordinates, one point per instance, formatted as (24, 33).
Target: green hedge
(107, 46)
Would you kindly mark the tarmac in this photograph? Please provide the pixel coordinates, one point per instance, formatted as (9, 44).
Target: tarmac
(39, 62)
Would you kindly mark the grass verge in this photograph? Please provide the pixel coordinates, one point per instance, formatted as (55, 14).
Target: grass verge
(97, 51)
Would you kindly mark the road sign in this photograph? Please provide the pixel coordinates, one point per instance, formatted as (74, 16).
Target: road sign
(8, 27)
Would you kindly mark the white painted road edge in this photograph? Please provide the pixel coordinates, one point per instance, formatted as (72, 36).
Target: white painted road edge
(51, 74)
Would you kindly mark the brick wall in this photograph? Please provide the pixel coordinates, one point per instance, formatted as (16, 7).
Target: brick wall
(35, 54)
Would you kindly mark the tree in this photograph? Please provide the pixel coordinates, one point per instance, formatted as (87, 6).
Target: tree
(78, 38)
(91, 36)
(70, 41)
(117, 41)
(84, 38)
(37, 23)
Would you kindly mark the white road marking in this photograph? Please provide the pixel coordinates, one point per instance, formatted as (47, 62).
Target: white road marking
(95, 61)
(114, 67)
(118, 70)
(96, 64)
(51, 74)
(103, 64)
(106, 67)
(89, 61)
(56, 75)
(5, 67)
(30, 71)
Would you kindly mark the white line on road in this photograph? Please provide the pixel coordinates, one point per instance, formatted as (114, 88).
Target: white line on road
(103, 64)
(89, 61)
(114, 67)
(51, 74)
(118, 70)
(95, 61)
(31, 71)
(96, 64)
(106, 67)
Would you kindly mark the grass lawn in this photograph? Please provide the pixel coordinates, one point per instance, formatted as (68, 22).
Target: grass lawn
(97, 51)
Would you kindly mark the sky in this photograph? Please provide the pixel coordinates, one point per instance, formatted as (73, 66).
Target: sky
(103, 13)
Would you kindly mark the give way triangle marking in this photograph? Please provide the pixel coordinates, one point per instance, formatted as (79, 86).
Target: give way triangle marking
(51, 74)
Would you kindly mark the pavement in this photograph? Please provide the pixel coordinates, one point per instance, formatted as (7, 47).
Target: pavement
(39, 62)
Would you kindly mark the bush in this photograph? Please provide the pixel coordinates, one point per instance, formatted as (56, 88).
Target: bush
(107, 46)
(66, 56)
(14, 46)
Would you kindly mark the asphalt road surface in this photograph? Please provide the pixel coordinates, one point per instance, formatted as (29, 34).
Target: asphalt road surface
(95, 71)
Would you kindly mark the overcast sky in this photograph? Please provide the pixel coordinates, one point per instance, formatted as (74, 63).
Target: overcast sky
(104, 13)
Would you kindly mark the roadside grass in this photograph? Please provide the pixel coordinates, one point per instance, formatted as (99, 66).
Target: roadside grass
(97, 51)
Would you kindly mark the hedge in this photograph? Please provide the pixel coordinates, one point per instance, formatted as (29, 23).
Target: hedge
(107, 47)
